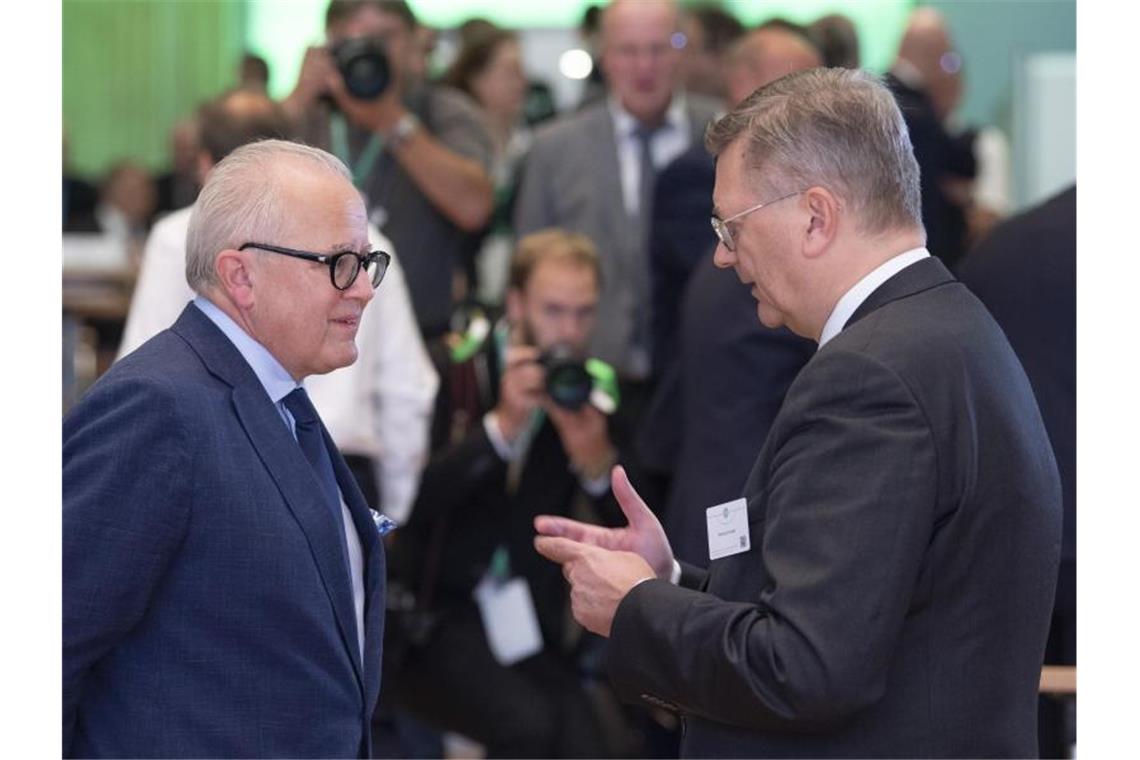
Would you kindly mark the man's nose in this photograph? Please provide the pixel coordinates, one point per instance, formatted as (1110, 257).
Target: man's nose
(361, 287)
(572, 330)
(722, 257)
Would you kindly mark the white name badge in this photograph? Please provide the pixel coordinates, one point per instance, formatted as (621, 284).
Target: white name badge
(509, 619)
(728, 529)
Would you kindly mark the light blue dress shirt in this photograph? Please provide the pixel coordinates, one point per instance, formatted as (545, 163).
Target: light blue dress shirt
(278, 384)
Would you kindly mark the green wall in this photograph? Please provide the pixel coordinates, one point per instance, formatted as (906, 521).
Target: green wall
(993, 36)
(280, 30)
(131, 69)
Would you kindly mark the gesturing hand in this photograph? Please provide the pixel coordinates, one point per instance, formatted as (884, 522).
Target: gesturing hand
(643, 535)
(599, 578)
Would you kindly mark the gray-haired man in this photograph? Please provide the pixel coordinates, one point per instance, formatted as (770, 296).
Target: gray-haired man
(883, 588)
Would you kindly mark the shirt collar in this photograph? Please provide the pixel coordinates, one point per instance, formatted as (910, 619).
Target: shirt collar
(859, 292)
(274, 378)
(676, 116)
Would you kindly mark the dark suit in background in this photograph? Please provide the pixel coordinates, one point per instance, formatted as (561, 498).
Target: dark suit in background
(940, 157)
(207, 603)
(724, 373)
(679, 237)
(732, 375)
(905, 523)
(1025, 273)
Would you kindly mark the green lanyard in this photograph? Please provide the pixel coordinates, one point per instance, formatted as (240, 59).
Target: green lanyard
(363, 166)
(537, 416)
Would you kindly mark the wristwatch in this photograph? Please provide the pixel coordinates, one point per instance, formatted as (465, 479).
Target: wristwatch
(405, 127)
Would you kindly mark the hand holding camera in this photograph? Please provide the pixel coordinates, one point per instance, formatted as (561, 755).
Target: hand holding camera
(365, 86)
(557, 381)
(357, 76)
(521, 389)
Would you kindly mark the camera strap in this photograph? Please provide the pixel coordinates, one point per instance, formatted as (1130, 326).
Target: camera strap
(362, 167)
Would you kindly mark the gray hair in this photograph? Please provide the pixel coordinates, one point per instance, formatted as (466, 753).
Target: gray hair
(836, 128)
(240, 202)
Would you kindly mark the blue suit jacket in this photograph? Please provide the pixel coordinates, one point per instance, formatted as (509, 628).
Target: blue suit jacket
(207, 607)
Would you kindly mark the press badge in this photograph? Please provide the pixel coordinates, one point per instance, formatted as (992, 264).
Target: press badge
(509, 619)
(728, 529)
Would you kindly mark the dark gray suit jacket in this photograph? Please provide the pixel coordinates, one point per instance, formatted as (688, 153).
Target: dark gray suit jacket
(207, 604)
(905, 515)
(572, 179)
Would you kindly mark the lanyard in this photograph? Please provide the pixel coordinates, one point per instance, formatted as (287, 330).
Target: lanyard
(537, 416)
(363, 166)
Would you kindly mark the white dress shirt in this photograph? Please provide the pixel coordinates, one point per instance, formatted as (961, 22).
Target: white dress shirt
(278, 384)
(858, 293)
(379, 407)
(670, 141)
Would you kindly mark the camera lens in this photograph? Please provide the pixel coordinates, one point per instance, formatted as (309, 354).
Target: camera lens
(364, 67)
(567, 382)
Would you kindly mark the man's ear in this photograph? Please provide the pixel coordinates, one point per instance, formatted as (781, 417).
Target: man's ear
(235, 277)
(823, 220)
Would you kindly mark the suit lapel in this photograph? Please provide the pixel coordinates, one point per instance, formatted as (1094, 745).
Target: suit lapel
(607, 169)
(286, 464)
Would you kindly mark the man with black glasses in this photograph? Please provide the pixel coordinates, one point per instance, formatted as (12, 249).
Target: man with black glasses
(223, 577)
(377, 409)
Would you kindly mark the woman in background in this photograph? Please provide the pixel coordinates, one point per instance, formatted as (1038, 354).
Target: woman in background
(489, 69)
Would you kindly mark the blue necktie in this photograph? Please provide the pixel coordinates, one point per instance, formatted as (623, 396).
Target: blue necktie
(308, 426)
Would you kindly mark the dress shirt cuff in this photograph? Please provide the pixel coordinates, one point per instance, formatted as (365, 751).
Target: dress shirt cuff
(643, 580)
(505, 451)
(674, 576)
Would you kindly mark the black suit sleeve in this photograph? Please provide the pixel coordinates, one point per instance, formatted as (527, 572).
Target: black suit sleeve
(850, 488)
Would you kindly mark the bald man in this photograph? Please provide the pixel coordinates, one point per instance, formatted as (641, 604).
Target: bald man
(926, 82)
(766, 54)
(593, 171)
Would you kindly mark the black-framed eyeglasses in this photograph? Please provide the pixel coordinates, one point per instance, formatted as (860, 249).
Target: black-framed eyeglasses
(720, 226)
(343, 266)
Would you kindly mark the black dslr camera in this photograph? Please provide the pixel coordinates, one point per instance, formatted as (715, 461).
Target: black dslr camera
(567, 382)
(364, 66)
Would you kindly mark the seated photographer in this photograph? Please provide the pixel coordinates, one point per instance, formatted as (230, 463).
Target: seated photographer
(420, 153)
(489, 649)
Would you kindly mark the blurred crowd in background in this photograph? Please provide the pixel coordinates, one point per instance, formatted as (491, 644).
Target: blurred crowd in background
(457, 164)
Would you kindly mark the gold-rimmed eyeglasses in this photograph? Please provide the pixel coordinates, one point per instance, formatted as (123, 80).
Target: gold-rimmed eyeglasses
(720, 226)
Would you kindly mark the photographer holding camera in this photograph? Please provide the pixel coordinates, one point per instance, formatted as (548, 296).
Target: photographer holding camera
(491, 652)
(420, 153)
